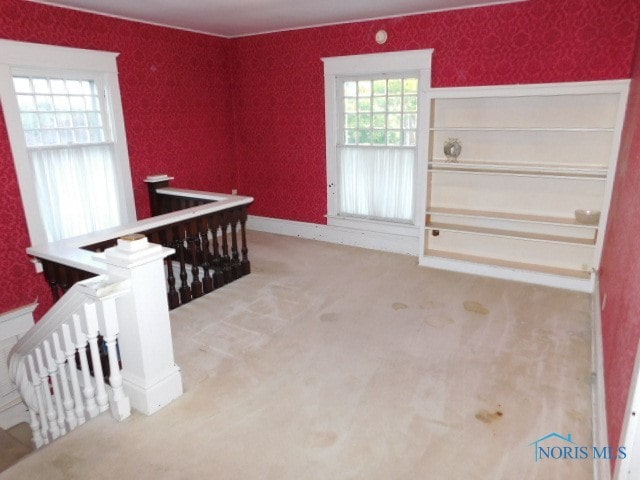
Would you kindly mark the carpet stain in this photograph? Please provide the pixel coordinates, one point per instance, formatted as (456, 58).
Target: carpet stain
(399, 306)
(439, 321)
(476, 307)
(488, 417)
(329, 317)
(322, 439)
(64, 463)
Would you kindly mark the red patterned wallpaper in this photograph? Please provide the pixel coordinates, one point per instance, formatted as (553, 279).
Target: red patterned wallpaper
(176, 95)
(249, 112)
(177, 89)
(278, 79)
(620, 272)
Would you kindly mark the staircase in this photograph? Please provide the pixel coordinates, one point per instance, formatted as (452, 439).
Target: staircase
(113, 295)
(15, 443)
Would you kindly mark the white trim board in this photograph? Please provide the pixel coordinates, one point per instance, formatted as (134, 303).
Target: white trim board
(601, 470)
(13, 325)
(387, 242)
(508, 273)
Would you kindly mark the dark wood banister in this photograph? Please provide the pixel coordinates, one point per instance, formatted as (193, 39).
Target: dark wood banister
(199, 226)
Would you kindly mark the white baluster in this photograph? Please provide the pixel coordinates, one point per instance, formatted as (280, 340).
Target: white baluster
(91, 321)
(87, 388)
(46, 393)
(36, 436)
(38, 427)
(57, 392)
(70, 353)
(67, 399)
(120, 406)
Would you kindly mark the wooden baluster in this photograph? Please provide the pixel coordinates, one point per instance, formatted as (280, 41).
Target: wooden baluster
(62, 274)
(91, 325)
(39, 426)
(120, 407)
(49, 270)
(207, 281)
(172, 294)
(192, 241)
(246, 265)
(88, 392)
(52, 366)
(235, 255)
(67, 399)
(226, 260)
(218, 274)
(52, 418)
(178, 244)
(70, 353)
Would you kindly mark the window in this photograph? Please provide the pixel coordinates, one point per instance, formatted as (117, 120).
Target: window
(381, 113)
(63, 113)
(377, 130)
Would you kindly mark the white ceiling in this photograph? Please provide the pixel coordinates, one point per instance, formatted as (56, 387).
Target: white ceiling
(234, 18)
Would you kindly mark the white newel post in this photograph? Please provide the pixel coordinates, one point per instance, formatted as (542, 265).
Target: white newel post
(150, 376)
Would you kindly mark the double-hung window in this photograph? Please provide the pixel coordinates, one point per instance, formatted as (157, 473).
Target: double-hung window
(377, 135)
(63, 113)
(376, 151)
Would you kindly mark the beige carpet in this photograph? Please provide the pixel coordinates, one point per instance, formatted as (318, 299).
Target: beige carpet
(14, 445)
(331, 362)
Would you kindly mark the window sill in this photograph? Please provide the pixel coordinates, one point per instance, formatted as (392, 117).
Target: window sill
(373, 226)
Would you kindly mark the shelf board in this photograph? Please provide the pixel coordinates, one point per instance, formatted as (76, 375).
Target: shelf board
(516, 217)
(591, 172)
(522, 129)
(494, 232)
(565, 272)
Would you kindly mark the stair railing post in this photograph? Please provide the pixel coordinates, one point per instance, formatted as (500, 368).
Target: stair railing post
(154, 182)
(150, 377)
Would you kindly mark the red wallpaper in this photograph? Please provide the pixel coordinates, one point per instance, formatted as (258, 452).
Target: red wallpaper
(177, 89)
(278, 79)
(176, 95)
(249, 112)
(620, 273)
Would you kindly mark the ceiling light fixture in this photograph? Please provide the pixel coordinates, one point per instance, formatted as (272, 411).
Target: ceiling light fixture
(381, 37)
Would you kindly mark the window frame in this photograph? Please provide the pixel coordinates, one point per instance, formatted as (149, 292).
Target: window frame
(51, 61)
(336, 69)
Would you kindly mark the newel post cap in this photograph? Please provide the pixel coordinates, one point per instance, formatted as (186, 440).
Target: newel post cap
(133, 242)
(157, 178)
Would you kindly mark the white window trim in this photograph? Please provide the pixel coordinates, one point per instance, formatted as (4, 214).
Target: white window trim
(20, 56)
(375, 64)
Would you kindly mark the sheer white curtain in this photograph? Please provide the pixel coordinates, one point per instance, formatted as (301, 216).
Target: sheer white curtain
(377, 182)
(76, 188)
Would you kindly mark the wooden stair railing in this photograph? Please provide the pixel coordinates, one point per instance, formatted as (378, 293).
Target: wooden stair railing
(207, 231)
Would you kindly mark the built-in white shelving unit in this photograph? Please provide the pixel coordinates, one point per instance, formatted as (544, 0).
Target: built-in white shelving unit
(531, 155)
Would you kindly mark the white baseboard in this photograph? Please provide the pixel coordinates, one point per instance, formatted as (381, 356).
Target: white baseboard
(387, 242)
(601, 469)
(148, 399)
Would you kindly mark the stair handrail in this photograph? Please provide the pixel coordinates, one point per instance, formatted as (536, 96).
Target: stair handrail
(84, 312)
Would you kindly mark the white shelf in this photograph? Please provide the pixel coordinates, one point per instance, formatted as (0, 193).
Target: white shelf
(494, 232)
(586, 172)
(514, 217)
(531, 155)
(563, 272)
